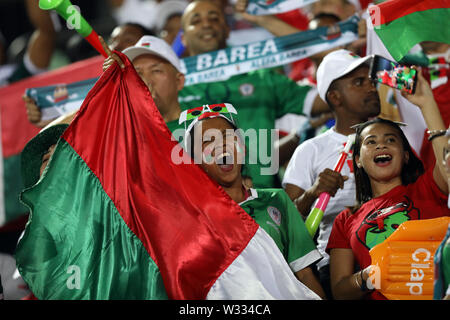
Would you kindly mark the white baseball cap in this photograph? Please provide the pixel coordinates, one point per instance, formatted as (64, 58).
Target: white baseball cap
(167, 8)
(335, 65)
(156, 46)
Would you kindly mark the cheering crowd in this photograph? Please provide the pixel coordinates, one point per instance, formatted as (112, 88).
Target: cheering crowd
(397, 169)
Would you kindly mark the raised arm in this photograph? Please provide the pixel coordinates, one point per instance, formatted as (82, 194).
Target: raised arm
(271, 23)
(424, 99)
(42, 42)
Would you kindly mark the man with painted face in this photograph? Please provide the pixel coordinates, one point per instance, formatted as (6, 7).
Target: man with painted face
(213, 140)
(343, 81)
(262, 96)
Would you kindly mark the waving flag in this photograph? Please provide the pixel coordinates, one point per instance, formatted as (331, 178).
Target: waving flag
(16, 130)
(418, 20)
(401, 24)
(113, 217)
(58, 93)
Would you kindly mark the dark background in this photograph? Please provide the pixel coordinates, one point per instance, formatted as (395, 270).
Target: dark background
(16, 28)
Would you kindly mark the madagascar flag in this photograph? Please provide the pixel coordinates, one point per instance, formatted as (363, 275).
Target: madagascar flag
(16, 130)
(401, 24)
(113, 217)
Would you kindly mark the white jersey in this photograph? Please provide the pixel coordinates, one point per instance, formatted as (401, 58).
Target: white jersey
(311, 158)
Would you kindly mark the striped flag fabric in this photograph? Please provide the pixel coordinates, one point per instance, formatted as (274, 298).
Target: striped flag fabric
(401, 24)
(112, 217)
(79, 77)
(408, 112)
(16, 130)
(395, 28)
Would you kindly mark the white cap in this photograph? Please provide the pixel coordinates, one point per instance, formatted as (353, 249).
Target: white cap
(167, 8)
(335, 65)
(156, 46)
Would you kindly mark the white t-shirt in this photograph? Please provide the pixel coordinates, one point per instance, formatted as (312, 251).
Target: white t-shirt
(311, 158)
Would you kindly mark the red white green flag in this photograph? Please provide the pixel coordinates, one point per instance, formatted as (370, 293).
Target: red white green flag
(113, 217)
(395, 28)
(16, 130)
(400, 24)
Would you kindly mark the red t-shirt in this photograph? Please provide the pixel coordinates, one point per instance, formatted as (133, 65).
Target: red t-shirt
(378, 218)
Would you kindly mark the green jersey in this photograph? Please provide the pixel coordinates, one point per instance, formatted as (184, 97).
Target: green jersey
(176, 129)
(274, 211)
(259, 97)
(446, 264)
(442, 268)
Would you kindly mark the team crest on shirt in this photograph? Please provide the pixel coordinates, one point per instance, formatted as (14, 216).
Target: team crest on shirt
(275, 214)
(246, 89)
(379, 224)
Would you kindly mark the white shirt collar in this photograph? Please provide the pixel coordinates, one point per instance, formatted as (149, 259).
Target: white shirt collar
(253, 195)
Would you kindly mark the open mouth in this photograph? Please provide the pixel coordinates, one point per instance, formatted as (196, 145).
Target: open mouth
(208, 36)
(383, 159)
(225, 161)
(225, 158)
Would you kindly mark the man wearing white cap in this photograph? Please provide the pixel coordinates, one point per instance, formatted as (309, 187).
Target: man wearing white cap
(160, 69)
(343, 82)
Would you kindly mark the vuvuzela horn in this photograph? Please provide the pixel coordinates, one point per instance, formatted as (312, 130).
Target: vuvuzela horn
(74, 18)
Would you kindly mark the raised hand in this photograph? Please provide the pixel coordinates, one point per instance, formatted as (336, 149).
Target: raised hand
(112, 57)
(423, 95)
(33, 112)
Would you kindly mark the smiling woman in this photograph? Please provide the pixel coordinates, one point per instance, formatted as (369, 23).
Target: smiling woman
(213, 140)
(219, 153)
(391, 188)
(383, 159)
